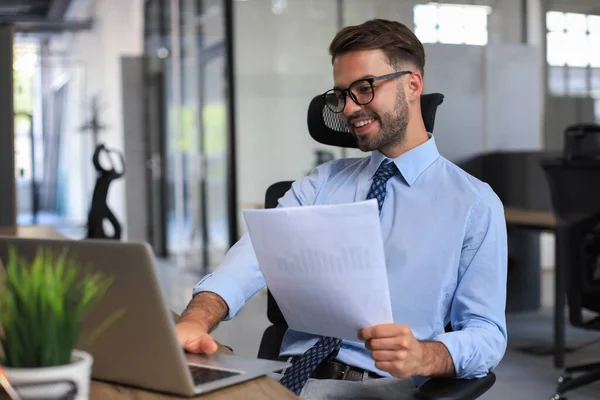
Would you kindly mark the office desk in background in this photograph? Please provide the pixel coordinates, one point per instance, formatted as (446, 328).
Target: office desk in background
(530, 219)
(32, 231)
(545, 221)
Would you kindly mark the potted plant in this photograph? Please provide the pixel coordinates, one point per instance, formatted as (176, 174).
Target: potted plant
(42, 305)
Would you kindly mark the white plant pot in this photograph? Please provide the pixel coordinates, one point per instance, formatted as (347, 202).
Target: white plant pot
(36, 383)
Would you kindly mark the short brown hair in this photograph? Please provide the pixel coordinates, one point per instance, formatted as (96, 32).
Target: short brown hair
(399, 43)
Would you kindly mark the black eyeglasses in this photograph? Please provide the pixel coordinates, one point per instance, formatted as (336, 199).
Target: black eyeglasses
(361, 92)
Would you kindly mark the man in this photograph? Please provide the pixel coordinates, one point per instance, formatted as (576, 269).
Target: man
(444, 236)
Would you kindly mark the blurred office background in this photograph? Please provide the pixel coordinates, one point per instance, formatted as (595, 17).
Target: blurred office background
(206, 138)
(206, 100)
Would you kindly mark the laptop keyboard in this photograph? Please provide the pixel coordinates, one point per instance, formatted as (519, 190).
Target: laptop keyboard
(204, 375)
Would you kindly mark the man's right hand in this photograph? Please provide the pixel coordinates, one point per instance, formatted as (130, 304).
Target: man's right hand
(194, 338)
(200, 317)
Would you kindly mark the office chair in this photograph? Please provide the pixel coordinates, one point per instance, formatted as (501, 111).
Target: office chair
(574, 181)
(326, 127)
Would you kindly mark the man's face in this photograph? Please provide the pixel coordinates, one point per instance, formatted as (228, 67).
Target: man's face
(381, 123)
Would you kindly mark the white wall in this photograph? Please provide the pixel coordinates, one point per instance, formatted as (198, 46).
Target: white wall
(117, 31)
(281, 64)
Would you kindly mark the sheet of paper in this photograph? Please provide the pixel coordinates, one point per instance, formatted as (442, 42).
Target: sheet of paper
(324, 265)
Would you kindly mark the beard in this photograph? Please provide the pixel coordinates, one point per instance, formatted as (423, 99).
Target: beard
(392, 126)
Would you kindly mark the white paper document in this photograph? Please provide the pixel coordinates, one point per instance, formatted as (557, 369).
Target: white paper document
(324, 265)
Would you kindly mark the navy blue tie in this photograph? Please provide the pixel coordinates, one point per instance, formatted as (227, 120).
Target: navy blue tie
(386, 170)
(296, 376)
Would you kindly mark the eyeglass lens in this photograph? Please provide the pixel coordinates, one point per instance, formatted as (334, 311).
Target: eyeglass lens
(360, 91)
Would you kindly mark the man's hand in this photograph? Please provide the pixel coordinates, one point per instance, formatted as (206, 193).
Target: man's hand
(396, 351)
(194, 338)
(200, 317)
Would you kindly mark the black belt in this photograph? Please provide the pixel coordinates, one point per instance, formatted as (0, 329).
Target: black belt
(331, 369)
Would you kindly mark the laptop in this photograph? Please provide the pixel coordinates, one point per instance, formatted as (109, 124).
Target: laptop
(141, 348)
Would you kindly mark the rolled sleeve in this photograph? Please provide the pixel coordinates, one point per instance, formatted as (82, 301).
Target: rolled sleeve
(237, 279)
(479, 337)
(227, 288)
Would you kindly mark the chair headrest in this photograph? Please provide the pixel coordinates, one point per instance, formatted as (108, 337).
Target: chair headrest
(326, 126)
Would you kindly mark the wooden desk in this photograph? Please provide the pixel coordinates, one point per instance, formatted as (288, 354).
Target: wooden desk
(533, 219)
(32, 231)
(260, 388)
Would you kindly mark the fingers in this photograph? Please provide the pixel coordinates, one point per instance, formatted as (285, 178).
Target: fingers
(392, 343)
(384, 331)
(195, 340)
(203, 344)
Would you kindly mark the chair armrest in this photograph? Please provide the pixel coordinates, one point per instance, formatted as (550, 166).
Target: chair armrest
(455, 389)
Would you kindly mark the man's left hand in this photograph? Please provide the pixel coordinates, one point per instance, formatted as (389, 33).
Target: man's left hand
(395, 349)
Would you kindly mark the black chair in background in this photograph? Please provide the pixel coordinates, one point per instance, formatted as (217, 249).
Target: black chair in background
(326, 127)
(574, 181)
(582, 142)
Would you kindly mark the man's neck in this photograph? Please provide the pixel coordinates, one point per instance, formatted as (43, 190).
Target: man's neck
(415, 136)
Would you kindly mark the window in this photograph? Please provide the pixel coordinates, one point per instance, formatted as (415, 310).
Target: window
(572, 54)
(451, 23)
(573, 39)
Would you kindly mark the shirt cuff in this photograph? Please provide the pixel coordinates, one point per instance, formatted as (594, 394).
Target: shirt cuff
(467, 362)
(224, 286)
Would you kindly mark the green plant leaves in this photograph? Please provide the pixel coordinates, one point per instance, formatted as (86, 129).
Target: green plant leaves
(42, 306)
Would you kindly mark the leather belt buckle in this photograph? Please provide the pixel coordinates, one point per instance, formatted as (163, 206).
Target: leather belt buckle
(338, 371)
(344, 373)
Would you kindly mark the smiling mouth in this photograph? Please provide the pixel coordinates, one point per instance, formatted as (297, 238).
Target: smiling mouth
(364, 122)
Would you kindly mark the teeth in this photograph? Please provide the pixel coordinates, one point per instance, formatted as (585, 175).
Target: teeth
(362, 123)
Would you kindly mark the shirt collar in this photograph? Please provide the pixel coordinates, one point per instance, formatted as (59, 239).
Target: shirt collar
(410, 164)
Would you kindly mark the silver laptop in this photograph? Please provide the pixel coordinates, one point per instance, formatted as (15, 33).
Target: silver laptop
(141, 348)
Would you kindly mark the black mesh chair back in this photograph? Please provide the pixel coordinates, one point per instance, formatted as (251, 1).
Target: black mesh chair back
(326, 127)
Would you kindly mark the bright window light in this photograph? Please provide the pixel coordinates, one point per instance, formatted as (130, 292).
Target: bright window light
(555, 21)
(576, 23)
(593, 50)
(557, 51)
(594, 24)
(573, 39)
(451, 23)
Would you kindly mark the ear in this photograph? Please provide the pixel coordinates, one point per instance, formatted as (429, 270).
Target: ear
(415, 86)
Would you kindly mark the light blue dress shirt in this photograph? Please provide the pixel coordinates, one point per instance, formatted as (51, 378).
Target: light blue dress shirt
(444, 235)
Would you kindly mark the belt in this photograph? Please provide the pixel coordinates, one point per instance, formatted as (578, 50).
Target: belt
(331, 369)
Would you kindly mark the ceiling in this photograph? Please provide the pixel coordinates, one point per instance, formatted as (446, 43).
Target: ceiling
(38, 16)
(18, 10)
(576, 6)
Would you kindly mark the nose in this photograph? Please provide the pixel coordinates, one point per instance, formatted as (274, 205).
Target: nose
(351, 108)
